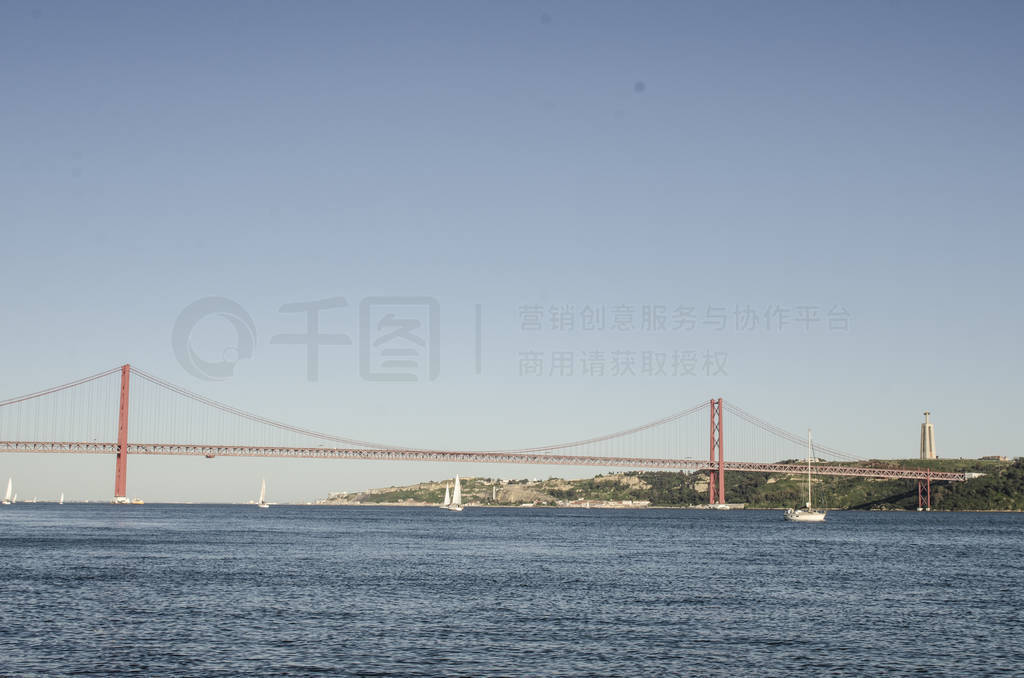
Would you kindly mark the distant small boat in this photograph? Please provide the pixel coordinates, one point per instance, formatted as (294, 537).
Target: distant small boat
(262, 503)
(136, 500)
(61, 500)
(8, 499)
(456, 503)
(806, 515)
(447, 498)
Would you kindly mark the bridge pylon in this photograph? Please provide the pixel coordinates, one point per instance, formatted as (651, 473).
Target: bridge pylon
(716, 472)
(121, 465)
(924, 493)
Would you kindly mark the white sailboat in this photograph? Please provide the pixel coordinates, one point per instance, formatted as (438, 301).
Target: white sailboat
(61, 500)
(447, 498)
(8, 499)
(456, 503)
(262, 503)
(806, 515)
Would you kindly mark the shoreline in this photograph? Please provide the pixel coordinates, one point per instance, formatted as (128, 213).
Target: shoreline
(639, 508)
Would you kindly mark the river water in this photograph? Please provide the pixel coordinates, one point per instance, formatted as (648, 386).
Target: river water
(232, 590)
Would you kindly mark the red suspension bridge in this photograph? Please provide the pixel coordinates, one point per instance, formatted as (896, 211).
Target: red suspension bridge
(78, 418)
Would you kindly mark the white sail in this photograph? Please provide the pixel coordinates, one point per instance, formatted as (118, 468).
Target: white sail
(447, 498)
(456, 503)
(10, 486)
(263, 495)
(61, 501)
(457, 494)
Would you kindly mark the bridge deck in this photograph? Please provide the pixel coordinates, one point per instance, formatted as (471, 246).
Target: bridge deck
(399, 454)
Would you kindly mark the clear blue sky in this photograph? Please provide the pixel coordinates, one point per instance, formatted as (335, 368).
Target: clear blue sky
(866, 156)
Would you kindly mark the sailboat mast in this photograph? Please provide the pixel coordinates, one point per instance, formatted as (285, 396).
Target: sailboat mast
(809, 468)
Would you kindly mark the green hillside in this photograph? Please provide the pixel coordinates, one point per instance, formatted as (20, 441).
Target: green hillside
(1000, 489)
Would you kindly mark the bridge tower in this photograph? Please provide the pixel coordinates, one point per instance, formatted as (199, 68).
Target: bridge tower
(121, 465)
(924, 492)
(716, 473)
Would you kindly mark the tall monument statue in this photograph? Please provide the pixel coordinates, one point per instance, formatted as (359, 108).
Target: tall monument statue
(927, 438)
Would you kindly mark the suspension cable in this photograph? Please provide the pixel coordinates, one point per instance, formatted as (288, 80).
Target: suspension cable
(70, 384)
(257, 418)
(361, 443)
(792, 437)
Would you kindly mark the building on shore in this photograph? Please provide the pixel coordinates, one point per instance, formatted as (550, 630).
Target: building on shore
(927, 438)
